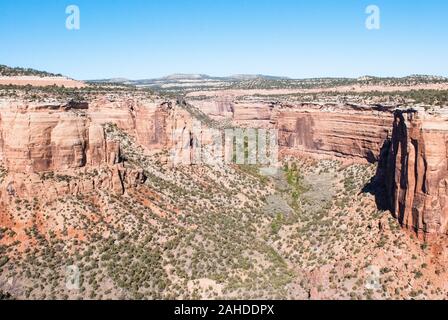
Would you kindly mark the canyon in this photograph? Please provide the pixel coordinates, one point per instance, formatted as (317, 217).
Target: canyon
(409, 144)
(231, 151)
(87, 178)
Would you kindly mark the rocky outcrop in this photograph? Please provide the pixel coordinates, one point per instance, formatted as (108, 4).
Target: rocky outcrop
(50, 185)
(53, 137)
(69, 138)
(411, 146)
(331, 130)
(415, 171)
(54, 149)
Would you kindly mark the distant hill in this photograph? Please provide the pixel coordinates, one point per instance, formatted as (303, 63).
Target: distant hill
(256, 76)
(183, 76)
(415, 77)
(184, 83)
(180, 82)
(11, 76)
(6, 71)
(193, 77)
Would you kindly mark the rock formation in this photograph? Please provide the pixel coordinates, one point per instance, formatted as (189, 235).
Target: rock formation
(330, 130)
(410, 145)
(415, 171)
(67, 142)
(41, 137)
(413, 146)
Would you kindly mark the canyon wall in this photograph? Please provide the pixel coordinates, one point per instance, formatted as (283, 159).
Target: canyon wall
(337, 130)
(332, 130)
(53, 149)
(53, 137)
(414, 169)
(410, 145)
(69, 139)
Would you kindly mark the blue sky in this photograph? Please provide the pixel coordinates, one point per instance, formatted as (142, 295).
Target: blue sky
(149, 38)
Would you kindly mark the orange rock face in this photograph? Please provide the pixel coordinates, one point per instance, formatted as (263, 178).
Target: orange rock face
(412, 148)
(340, 131)
(68, 143)
(410, 145)
(37, 138)
(416, 171)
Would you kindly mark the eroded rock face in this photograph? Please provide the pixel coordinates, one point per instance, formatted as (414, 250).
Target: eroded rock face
(50, 150)
(341, 131)
(410, 145)
(335, 130)
(37, 138)
(42, 138)
(416, 171)
(222, 108)
(251, 113)
(50, 186)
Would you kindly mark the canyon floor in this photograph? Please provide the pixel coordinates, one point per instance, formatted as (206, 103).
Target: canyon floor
(312, 230)
(309, 232)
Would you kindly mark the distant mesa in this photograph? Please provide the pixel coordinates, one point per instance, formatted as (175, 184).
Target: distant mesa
(193, 77)
(186, 76)
(256, 76)
(31, 77)
(415, 77)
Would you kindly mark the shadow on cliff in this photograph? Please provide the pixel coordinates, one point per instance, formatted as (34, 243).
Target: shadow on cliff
(377, 186)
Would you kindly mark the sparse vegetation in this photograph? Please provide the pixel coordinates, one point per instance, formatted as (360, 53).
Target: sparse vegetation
(191, 232)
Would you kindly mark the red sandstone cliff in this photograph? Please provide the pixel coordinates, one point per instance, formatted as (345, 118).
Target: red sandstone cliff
(415, 170)
(37, 138)
(341, 131)
(411, 146)
(52, 137)
(68, 140)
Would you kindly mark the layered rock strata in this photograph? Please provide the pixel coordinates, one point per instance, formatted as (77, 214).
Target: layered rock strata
(330, 130)
(53, 137)
(410, 145)
(52, 149)
(415, 171)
